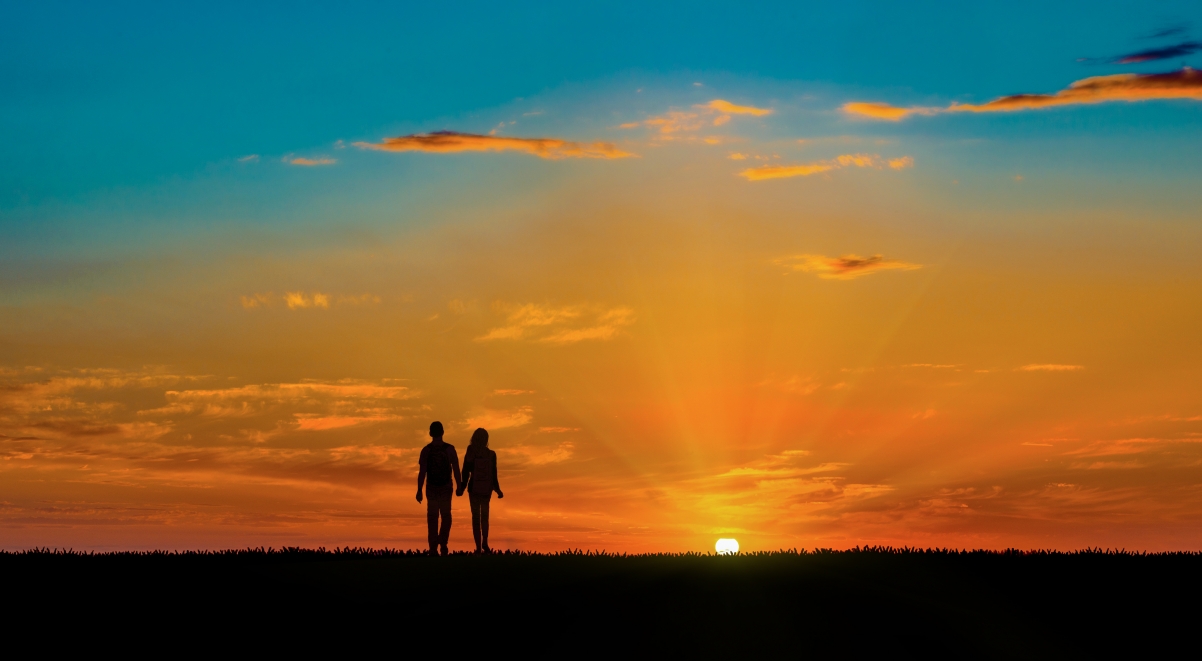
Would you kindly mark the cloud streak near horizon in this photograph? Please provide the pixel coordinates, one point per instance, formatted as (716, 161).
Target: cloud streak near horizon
(847, 267)
(451, 142)
(1166, 53)
(310, 162)
(764, 172)
(676, 121)
(550, 324)
(1185, 83)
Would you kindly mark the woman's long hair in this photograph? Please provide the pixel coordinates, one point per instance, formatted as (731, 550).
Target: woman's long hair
(480, 438)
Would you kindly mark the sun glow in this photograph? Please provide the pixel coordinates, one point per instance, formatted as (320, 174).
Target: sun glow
(727, 546)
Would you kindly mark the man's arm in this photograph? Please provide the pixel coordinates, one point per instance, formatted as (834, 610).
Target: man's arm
(496, 485)
(468, 468)
(421, 474)
(455, 468)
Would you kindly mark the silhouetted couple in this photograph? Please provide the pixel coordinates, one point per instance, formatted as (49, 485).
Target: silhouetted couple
(438, 464)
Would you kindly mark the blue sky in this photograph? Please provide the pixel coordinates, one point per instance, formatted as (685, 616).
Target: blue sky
(129, 94)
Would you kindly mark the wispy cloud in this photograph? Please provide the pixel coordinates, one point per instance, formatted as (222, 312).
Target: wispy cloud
(714, 113)
(90, 426)
(319, 422)
(499, 419)
(806, 169)
(785, 171)
(1185, 83)
(303, 406)
(242, 399)
(884, 111)
(670, 122)
(728, 108)
(846, 267)
(310, 162)
(1165, 53)
(249, 158)
(1050, 367)
(299, 300)
(786, 487)
(257, 301)
(559, 324)
(449, 142)
(296, 300)
(530, 455)
(1171, 31)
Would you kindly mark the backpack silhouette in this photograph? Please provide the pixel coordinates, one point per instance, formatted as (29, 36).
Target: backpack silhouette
(438, 472)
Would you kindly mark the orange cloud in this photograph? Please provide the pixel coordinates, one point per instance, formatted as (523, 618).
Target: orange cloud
(447, 142)
(297, 300)
(804, 170)
(676, 121)
(884, 111)
(559, 325)
(671, 122)
(858, 160)
(726, 107)
(1051, 368)
(494, 419)
(540, 456)
(846, 267)
(1183, 84)
(317, 422)
(785, 171)
(309, 162)
(256, 301)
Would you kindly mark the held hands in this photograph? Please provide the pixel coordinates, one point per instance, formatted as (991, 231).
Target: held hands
(459, 491)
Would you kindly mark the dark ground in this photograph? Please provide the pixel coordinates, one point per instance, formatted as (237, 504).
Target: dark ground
(899, 603)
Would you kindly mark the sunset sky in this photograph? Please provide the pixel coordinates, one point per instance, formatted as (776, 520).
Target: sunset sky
(801, 275)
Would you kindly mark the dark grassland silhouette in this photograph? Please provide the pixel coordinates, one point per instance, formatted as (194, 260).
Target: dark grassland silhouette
(900, 602)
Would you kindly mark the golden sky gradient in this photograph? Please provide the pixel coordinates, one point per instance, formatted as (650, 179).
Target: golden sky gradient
(681, 314)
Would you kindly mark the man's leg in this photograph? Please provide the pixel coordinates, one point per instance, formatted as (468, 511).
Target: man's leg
(444, 533)
(432, 522)
(475, 502)
(484, 520)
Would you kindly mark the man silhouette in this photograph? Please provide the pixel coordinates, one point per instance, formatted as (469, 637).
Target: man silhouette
(438, 462)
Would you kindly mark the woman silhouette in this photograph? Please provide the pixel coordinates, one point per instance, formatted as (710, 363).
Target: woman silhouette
(480, 480)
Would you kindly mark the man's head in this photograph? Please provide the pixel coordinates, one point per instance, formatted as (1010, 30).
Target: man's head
(436, 430)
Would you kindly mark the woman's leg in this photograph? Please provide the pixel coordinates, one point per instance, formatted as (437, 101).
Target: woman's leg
(484, 520)
(476, 519)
